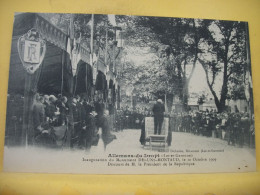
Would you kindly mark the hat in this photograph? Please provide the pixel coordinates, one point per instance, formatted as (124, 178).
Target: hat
(46, 97)
(160, 100)
(52, 98)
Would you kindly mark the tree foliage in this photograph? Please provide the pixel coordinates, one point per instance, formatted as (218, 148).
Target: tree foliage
(175, 47)
(223, 57)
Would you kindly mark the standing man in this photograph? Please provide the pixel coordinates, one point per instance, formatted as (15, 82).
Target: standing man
(158, 112)
(76, 114)
(89, 129)
(38, 114)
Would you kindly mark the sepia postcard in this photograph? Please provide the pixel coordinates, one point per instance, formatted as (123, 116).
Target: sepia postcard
(120, 94)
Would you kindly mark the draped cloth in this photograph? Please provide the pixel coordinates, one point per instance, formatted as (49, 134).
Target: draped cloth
(89, 82)
(101, 83)
(30, 89)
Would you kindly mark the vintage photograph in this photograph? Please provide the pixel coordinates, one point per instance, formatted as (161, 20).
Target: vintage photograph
(121, 94)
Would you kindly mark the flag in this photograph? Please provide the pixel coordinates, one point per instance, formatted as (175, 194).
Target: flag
(112, 19)
(71, 26)
(92, 40)
(93, 62)
(89, 24)
(94, 59)
(75, 57)
(69, 47)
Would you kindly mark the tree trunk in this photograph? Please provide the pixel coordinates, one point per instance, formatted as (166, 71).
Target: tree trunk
(217, 102)
(224, 89)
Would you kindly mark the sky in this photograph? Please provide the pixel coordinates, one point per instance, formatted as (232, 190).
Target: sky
(198, 80)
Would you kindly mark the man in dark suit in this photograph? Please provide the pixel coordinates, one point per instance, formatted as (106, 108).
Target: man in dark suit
(77, 125)
(88, 130)
(158, 111)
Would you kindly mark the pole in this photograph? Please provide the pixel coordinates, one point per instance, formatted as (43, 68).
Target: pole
(165, 102)
(106, 44)
(71, 28)
(62, 71)
(248, 68)
(92, 39)
(114, 50)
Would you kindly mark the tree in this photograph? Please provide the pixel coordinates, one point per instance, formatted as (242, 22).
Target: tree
(223, 55)
(175, 40)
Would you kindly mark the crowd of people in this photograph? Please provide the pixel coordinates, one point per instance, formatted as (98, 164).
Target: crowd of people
(74, 122)
(237, 128)
(129, 118)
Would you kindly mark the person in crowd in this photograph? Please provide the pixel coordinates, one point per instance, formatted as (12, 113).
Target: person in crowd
(203, 125)
(218, 126)
(53, 112)
(252, 132)
(244, 129)
(88, 131)
(59, 100)
(195, 123)
(142, 137)
(100, 107)
(179, 122)
(76, 122)
(223, 125)
(158, 111)
(188, 126)
(232, 128)
(46, 104)
(82, 110)
(102, 122)
(64, 110)
(209, 125)
(88, 106)
(119, 120)
(38, 114)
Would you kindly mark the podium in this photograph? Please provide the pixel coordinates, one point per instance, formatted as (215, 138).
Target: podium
(156, 140)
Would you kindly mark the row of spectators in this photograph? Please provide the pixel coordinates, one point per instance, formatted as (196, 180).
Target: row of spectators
(237, 128)
(73, 115)
(74, 121)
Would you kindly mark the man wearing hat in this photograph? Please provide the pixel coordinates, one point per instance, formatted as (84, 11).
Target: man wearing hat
(158, 111)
